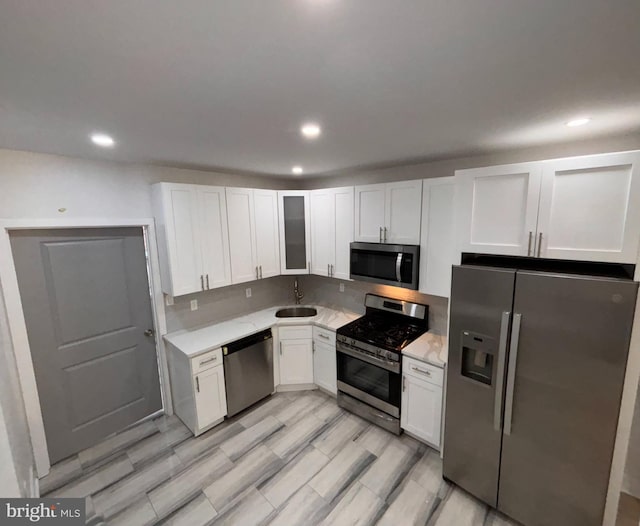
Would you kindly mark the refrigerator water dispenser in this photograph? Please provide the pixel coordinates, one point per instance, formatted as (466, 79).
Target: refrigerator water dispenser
(477, 357)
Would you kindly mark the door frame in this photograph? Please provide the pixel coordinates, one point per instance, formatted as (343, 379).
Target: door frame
(18, 327)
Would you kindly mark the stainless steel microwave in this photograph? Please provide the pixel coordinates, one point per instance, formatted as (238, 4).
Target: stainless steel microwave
(395, 265)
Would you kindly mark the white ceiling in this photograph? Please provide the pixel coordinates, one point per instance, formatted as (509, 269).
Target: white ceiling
(227, 84)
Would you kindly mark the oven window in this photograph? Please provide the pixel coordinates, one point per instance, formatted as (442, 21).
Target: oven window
(375, 381)
(380, 265)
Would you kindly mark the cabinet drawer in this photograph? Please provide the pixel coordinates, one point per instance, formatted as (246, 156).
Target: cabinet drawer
(295, 333)
(422, 370)
(321, 335)
(206, 361)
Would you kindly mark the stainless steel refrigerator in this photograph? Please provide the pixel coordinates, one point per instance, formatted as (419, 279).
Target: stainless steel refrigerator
(536, 367)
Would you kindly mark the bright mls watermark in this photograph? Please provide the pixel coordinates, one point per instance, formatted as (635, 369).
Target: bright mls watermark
(42, 511)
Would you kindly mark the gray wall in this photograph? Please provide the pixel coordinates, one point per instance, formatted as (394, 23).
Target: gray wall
(229, 302)
(446, 167)
(34, 185)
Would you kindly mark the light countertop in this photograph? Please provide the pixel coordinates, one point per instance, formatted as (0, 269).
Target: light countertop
(430, 348)
(201, 339)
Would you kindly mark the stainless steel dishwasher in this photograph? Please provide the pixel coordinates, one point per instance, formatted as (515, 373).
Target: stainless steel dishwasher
(248, 370)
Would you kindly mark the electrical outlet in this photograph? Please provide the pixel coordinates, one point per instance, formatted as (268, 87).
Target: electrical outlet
(248, 292)
(194, 304)
(341, 287)
(168, 300)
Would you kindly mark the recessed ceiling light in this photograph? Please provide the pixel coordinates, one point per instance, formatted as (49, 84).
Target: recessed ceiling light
(297, 170)
(310, 130)
(578, 122)
(103, 140)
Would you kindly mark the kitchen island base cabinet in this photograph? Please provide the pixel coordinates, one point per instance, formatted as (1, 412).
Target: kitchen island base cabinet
(198, 388)
(421, 410)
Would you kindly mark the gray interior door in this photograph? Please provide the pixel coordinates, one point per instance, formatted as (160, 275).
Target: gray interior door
(570, 366)
(481, 301)
(85, 296)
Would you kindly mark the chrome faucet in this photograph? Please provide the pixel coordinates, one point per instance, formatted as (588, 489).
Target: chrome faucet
(296, 292)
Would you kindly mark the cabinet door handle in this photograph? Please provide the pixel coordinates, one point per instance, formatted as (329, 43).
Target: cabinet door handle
(384, 240)
(309, 266)
(197, 384)
(404, 382)
(539, 243)
(313, 346)
(328, 269)
(207, 281)
(280, 348)
(529, 246)
(380, 234)
(418, 370)
(260, 271)
(257, 275)
(209, 360)
(202, 281)
(332, 273)
(324, 336)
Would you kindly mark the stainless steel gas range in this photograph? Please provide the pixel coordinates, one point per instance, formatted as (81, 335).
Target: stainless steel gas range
(369, 358)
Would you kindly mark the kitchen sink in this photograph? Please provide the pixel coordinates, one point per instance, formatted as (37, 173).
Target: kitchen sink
(296, 312)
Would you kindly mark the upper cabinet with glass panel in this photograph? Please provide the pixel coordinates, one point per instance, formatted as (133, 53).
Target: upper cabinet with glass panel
(295, 234)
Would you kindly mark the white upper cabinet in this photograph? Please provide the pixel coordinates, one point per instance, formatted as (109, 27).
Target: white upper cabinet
(253, 232)
(295, 232)
(403, 202)
(214, 237)
(369, 209)
(580, 208)
(388, 213)
(438, 250)
(498, 209)
(265, 205)
(244, 266)
(192, 237)
(331, 231)
(590, 208)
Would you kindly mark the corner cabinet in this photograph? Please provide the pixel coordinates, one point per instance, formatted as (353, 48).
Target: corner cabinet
(295, 232)
(295, 360)
(331, 231)
(389, 213)
(580, 208)
(438, 250)
(198, 388)
(193, 239)
(421, 406)
(253, 234)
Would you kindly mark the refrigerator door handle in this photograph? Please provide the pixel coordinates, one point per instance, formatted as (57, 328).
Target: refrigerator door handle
(502, 356)
(511, 373)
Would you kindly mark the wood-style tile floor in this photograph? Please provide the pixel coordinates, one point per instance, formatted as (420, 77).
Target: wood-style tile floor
(296, 458)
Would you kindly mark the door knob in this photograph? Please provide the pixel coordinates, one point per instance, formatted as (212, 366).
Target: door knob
(148, 332)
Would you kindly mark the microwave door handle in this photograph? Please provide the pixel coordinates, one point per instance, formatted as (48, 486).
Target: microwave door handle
(399, 267)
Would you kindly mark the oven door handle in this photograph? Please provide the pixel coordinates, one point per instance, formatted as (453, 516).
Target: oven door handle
(399, 266)
(393, 367)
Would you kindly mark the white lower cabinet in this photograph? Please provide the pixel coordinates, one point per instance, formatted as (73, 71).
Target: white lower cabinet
(211, 400)
(295, 355)
(421, 409)
(324, 359)
(198, 389)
